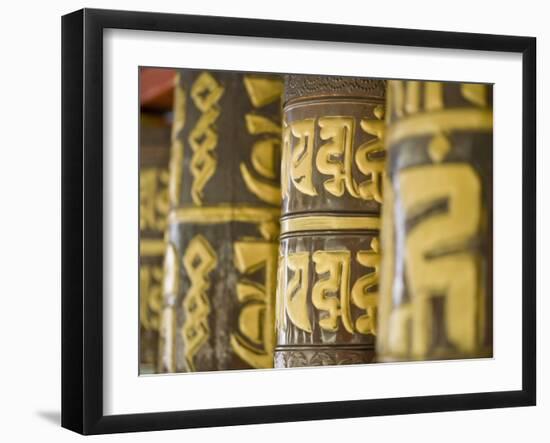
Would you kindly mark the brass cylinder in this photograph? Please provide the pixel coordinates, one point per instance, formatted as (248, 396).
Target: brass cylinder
(436, 288)
(332, 167)
(221, 262)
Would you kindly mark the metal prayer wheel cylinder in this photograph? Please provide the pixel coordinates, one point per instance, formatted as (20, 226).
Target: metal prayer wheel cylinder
(436, 288)
(153, 210)
(223, 226)
(331, 176)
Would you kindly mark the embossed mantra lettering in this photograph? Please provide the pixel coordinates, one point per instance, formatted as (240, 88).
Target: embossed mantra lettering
(332, 294)
(404, 100)
(438, 259)
(442, 205)
(334, 157)
(254, 341)
(261, 176)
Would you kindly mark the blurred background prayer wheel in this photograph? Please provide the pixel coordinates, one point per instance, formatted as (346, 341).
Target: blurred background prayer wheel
(436, 288)
(332, 165)
(223, 224)
(153, 209)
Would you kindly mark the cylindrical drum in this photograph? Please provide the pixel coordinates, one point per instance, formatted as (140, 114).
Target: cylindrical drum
(223, 226)
(436, 288)
(331, 177)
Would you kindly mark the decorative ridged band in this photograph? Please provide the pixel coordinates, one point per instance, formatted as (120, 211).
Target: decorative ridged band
(329, 223)
(151, 247)
(223, 214)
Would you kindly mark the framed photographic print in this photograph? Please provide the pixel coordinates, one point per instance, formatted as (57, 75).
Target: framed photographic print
(271, 221)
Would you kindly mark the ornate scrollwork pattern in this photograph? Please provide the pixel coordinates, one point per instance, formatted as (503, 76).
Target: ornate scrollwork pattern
(203, 138)
(325, 357)
(199, 259)
(299, 86)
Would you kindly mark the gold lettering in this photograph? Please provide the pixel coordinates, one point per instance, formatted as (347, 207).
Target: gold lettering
(337, 265)
(263, 90)
(370, 158)
(257, 124)
(265, 155)
(301, 160)
(296, 292)
(255, 340)
(441, 203)
(335, 157)
(331, 292)
(261, 178)
(362, 294)
(439, 261)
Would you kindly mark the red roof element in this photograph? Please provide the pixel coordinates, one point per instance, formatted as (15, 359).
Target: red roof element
(156, 88)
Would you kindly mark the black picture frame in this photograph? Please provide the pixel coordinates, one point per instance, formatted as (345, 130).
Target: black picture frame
(82, 220)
